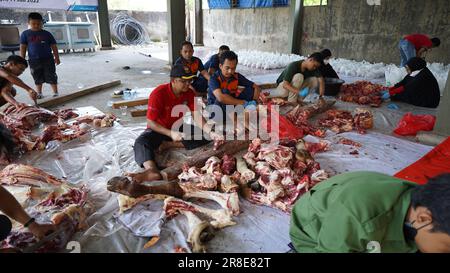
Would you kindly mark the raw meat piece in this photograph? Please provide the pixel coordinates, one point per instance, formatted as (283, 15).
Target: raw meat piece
(212, 164)
(362, 92)
(22, 238)
(66, 114)
(250, 158)
(314, 148)
(313, 167)
(55, 201)
(199, 232)
(228, 185)
(106, 120)
(193, 179)
(338, 121)
(263, 169)
(363, 120)
(220, 218)
(273, 187)
(276, 155)
(246, 175)
(228, 201)
(18, 174)
(54, 132)
(299, 167)
(73, 196)
(218, 143)
(319, 176)
(255, 145)
(29, 116)
(228, 164)
(179, 249)
(230, 147)
(349, 142)
(126, 202)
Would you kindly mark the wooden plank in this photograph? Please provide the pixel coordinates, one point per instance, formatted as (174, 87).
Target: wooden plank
(229, 147)
(268, 85)
(87, 91)
(129, 103)
(138, 113)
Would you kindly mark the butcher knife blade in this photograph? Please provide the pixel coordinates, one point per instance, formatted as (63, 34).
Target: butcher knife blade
(33, 248)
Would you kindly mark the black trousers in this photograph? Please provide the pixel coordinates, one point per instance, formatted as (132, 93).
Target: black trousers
(149, 141)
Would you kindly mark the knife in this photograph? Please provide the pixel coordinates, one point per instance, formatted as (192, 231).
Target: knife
(33, 248)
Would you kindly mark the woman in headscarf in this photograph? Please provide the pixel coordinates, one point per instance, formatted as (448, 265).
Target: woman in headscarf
(419, 87)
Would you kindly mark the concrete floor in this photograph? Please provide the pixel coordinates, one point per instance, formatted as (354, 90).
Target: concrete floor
(84, 69)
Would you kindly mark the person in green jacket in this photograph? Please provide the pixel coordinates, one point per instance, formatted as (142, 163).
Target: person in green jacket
(373, 212)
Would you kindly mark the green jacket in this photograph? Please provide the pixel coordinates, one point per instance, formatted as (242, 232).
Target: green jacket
(352, 211)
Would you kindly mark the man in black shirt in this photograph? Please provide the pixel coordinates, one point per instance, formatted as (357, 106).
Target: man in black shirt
(14, 67)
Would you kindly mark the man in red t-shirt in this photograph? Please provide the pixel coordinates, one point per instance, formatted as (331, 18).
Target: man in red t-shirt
(164, 127)
(416, 45)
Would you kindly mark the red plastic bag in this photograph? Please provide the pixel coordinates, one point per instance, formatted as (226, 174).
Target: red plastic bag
(410, 124)
(436, 162)
(286, 129)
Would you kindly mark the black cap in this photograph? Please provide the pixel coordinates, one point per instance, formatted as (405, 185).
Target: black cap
(181, 71)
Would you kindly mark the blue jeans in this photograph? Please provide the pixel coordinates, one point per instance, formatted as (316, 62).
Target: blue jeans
(407, 51)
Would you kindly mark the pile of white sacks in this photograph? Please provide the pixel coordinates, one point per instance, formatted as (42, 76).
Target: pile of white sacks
(363, 69)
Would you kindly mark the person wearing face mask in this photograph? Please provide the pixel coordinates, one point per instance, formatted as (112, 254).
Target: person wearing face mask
(326, 69)
(419, 87)
(353, 212)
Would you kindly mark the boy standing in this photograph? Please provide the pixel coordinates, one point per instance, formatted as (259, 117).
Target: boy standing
(40, 44)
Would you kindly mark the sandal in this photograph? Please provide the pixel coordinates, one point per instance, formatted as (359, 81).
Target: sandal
(55, 94)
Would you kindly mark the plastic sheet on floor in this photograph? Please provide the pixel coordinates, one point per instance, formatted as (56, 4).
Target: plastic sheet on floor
(378, 152)
(108, 153)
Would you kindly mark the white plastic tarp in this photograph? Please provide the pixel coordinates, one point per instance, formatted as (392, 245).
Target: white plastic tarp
(108, 153)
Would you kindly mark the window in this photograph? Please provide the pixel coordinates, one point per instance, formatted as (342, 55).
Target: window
(307, 3)
(226, 4)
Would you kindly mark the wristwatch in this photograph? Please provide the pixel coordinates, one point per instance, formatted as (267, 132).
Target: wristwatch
(29, 222)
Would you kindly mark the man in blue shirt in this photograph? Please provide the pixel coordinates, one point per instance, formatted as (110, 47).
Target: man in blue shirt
(223, 85)
(226, 87)
(212, 65)
(40, 45)
(195, 66)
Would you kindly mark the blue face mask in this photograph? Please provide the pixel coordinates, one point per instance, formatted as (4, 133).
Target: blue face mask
(410, 231)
